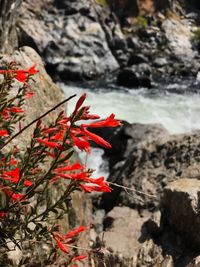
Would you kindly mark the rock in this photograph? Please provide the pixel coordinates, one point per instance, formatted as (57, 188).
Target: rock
(129, 77)
(124, 139)
(123, 234)
(160, 62)
(181, 206)
(73, 6)
(47, 93)
(178, 34)
(151, 255)
(122, 228)
(194, 262)
(133, 42)
(72, 37)
(137, 59)
(147, 167)
(8, 17)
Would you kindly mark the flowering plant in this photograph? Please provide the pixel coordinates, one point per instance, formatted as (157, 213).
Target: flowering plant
(36, 185)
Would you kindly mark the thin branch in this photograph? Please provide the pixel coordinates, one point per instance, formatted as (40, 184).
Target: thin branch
(37, 119)
(133, 190)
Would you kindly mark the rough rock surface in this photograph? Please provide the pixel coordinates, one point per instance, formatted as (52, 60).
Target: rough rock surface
(150, 159)
(75, 45)
(151, 164)
(8, 17)
(181, 205)
(47, 93)
(81, 40)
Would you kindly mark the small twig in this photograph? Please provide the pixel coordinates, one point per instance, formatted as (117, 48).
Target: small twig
(133, 190)
(37, 119)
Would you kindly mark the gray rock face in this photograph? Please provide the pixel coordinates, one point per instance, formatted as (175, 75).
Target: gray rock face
(150, 164)
(8, 17)
(71, 36)
(81, 40)
(181, 204)
(149, 160)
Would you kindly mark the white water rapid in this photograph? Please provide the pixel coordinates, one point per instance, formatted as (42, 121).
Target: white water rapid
(177, 112)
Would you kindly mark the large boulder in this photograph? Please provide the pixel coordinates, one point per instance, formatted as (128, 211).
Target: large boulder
(148, 166)
(47, 95)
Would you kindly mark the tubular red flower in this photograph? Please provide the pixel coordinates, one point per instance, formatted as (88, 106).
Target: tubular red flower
(63, 247)
(15, 196)
(86, 116)
(49, 144)
(108, 122)
(79, 258)
(21, 76)
(97, 139)
(91, 188)
(49, 130)
(79, 103)
(5, 114)
(14, 176)
(29, 95)
(58, 136)
(32, 70)
(75, 232)
(75, 166)
(4, 133)
(16, 110)
(82, 176)
(81, 144)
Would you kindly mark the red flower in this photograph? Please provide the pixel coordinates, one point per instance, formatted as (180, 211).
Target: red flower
(82, 176)
(97, 139)
(49, 143)
(58, 136)
(63, 247)
(14, 176)
(15, 196)
(13, 161)
(79, 103)
(75, 232)
(32, 70)
(4, 133)
(5, 114)
(109, 122)
(81, 144)
(49, 130)
(16, 110)
(29, 95)
(86, 116)
(75, 166)
(21, 76)
(91, 188)
(79, 258)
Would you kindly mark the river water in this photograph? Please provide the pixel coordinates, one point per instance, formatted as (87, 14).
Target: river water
(175, 105)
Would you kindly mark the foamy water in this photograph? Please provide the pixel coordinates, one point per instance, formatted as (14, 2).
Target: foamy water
(177, 112)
